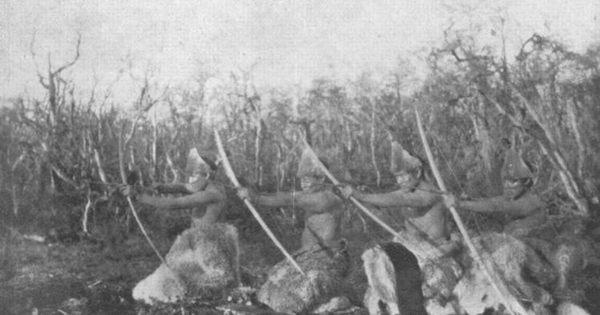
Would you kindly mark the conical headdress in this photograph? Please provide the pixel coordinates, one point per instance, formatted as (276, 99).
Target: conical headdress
(197, 166)
(308, 167)
(402, 160)
(514, 167)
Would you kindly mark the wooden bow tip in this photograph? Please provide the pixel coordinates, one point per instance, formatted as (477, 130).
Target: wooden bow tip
(496, 284)
(231, 175)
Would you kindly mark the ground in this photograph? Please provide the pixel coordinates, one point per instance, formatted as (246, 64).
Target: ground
(81, 276)
(59, 278)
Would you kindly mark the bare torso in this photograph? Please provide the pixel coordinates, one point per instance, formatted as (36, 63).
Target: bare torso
(322, 220)
(322, 208)
(207, 204)
(210, 212)
(433, 224)
(526, 212)
(422, 207)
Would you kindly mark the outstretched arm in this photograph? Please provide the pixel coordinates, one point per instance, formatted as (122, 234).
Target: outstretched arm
(417, 198)
(315, 202)
(193, 200)
(279, 199)
(520, 207)
(181, 188)
(175, 188)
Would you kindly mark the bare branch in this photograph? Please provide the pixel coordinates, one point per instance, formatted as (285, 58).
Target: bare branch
(571, 111)
(33, 57)
(62, 175)
(548, 147)
(133, 129)
(75, 58)
(122, 147)
(513, 119)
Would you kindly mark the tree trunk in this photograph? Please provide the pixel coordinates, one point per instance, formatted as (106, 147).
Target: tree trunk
(373, 148)
(483, 137)
(552, 151)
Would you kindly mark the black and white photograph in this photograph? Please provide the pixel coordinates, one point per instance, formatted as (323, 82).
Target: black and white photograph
(296, 157)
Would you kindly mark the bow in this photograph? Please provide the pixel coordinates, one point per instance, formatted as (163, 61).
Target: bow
(236, 183)
(122, 147)
(495, 282)
(357, 203)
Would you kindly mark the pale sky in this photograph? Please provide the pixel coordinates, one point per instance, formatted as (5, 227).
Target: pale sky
(288, 42)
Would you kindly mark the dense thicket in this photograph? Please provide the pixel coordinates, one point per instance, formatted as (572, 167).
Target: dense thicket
(59, 156)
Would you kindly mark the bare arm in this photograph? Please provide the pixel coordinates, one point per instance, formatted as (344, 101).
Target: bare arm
(179, 188)
(175, 188)
(316, 202)
(279, 199)
(417, 198)
(194, 200)
(520, 207)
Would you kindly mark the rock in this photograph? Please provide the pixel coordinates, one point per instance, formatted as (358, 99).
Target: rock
(288, 291)
(513, 263)
(242, 295)
(203, 260)
(206, 257)
(163, 285)
(505, 257)
(568, 308)
(396, 282)
(381, 292)
(76, 306)
(336, 304)
(237, 309)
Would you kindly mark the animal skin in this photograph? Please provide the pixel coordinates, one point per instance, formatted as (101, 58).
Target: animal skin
(390, 264)
(508, 257)
(207, 257)
(203, 259)
(288, 291)
(395, 281)
(163, 285)
(567, 308)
